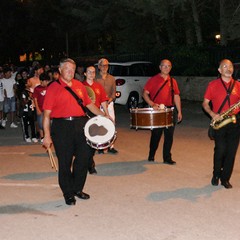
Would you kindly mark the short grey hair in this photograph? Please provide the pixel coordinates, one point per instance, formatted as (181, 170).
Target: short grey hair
(65, 60)
(101, 60)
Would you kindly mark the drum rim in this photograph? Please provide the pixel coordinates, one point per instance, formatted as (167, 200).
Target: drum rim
(149, 110)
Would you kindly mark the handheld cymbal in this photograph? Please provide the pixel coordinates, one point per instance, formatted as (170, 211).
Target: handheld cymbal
(91, 93)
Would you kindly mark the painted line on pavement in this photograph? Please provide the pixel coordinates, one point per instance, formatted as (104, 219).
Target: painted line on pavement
(16, 153)
(27, 185)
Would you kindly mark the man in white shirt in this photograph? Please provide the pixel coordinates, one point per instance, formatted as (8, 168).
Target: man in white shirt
(9, 105)
(109, 84)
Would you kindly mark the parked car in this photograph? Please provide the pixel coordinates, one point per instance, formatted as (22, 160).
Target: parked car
(130, 80)
(236, 74)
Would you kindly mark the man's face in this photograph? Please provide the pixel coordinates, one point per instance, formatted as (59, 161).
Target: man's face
(40, 71)
(55, 75)
(45, 83)
(80, 70)
(103, 67)
(24, 75)
(226, 69)
(8, 74)
(165, 67)
(67, 71)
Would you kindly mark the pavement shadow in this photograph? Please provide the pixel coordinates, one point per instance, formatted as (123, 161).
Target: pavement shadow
(30, 176)
(40, 209)
(107, 169)
(121, 168)
(189, 194)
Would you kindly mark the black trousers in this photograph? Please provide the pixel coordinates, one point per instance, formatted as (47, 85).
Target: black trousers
(226, 145)
(73, 153)
(29, 121)
(156, 134)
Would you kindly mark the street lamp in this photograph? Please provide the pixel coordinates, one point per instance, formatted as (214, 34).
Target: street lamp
(218, 38)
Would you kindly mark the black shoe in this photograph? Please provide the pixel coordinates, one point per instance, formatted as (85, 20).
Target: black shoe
(70, 200)
(226, 184)
(1, 127)
(92, 170)
(82, 195)
(112, 151)
(215, 181)
(150, 159)
(170, 162)
(100, 151)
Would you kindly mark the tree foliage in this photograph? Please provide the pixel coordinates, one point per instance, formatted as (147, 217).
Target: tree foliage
(80, 27)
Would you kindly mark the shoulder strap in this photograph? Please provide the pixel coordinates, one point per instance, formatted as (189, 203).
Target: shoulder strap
(159, 90)
(78, 99)
(229, 90)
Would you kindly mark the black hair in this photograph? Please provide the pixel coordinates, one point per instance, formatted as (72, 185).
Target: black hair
(44, 76)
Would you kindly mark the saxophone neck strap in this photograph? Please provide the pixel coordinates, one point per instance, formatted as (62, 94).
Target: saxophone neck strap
(227, 98)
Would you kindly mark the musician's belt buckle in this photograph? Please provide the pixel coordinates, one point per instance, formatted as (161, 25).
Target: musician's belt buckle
(69, 118)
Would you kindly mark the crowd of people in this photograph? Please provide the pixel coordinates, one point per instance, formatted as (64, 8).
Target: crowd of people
(17, 100)
(55, 103)
(39, 98)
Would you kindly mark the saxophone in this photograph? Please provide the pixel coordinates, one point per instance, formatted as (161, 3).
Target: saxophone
(226, 118)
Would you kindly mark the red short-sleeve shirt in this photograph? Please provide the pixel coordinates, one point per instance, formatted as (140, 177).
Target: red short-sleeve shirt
(165, 95)
(100, 94)
(61, 103)
(216, 93)
(39, 93)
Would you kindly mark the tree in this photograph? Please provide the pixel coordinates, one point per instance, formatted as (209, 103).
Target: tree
(95, 27)
(229, 21)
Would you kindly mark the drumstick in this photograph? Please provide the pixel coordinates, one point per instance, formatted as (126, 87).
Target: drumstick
(52, 160)
(50, 156)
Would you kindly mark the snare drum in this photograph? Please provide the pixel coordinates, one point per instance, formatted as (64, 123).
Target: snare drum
(99, 132)
(147, 118)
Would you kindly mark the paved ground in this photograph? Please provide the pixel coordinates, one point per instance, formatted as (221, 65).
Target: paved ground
(131, 198)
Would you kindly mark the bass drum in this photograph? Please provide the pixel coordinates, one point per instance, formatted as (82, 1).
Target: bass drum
(99, 132)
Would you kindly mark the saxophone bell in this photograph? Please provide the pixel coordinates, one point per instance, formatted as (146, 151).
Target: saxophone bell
(225, 117)
(224, 122)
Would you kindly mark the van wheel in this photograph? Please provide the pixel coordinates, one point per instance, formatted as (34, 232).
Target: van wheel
(132, 100)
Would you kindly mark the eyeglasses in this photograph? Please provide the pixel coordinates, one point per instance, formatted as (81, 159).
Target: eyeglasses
(103, 65)
(91, 72)
(166, 66)
(227, 66)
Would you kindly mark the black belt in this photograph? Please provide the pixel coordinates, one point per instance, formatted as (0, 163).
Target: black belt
(69, 118)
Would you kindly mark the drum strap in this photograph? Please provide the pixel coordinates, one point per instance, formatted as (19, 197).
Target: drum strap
(78, 99)
(159, 90)
(172, 91)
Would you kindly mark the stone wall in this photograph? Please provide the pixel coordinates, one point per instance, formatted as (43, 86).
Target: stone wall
(193, 88)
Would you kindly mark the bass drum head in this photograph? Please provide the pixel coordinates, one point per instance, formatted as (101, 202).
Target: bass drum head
(99, 132)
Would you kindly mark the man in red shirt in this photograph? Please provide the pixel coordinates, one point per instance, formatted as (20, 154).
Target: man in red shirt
(67, 130)
(169, 97)
(100, 99)
(227, 137)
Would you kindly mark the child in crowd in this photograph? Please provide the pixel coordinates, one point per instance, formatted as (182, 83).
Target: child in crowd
(1, 99)
(28, 116)
(38, 96)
